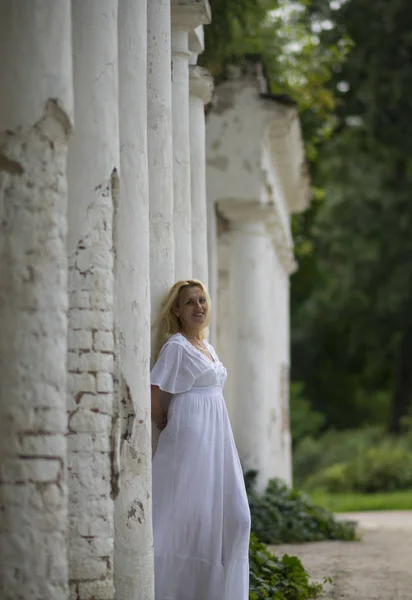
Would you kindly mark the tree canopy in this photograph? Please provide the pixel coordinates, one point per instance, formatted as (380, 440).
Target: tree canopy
(352, 343)
(295, 62)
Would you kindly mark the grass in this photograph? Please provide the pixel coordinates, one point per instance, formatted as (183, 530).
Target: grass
(356, 502)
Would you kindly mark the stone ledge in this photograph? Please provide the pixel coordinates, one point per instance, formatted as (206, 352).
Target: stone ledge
(189, 14)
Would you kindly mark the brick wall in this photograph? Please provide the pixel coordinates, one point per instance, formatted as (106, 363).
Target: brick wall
(91, 404)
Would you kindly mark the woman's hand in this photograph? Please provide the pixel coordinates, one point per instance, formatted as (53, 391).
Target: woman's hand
(163, 423)
(159, 416)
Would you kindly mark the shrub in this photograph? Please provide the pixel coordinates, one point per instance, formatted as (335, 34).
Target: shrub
(333, 447)
(384, 468)
(283, 515)
(333, 480)
(278, 578)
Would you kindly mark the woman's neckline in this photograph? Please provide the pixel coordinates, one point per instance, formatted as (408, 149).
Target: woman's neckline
(213, 361)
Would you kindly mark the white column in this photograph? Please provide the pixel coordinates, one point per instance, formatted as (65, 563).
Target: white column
(250, 315)
(212, 264)
(281, 266)
(160, 156)
(278, 375)
(222, 316)
(186, 16)
(35, 121)
(93, 196)
(181, 155)
(133, 559)
(284, 354)
(201, 89)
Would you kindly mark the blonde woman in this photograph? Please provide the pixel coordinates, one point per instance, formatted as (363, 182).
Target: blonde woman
(201, 515)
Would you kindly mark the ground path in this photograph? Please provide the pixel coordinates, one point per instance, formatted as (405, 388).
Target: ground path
(379, 567)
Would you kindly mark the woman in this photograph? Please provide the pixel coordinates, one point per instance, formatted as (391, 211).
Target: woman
(201, 515)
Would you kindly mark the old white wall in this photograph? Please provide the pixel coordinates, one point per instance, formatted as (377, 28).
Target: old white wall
(133, 560)
(93, 195)
(160, 154)
(182, 210)
(160, 158)
(36, 110)
(235, 130)
(201, 88)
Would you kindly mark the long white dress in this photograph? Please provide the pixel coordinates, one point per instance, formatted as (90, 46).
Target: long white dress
(201, 516)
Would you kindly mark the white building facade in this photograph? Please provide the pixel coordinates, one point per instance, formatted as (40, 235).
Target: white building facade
(103, 206)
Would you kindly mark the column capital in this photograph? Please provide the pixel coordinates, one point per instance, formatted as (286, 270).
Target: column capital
(196, 42)
(201, 83)
(244, 212)
(189, 14)
(288, 157)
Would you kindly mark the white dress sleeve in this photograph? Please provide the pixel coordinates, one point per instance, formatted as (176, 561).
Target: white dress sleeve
(175, 370)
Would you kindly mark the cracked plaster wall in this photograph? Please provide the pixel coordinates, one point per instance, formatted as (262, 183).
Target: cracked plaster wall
(92, 362)
(234, 133)
(35, 123)
(133, 558)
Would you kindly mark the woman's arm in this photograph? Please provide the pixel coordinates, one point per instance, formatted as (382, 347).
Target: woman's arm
(159, 416)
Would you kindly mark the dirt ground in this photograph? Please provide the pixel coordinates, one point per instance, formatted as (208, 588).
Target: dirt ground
(378, 567)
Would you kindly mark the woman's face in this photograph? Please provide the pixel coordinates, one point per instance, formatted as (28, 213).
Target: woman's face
(192, 308)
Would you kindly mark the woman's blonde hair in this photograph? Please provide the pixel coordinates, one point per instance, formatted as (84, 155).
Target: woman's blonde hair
(167, 323)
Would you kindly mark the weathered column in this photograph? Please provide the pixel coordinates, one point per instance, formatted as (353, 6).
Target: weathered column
(282, 264)
(133, 564)
(93, 195)
(160, 156)
(282, 468)
(212, 266)
(251, 314)
(186, 16)
(201, 89)
(277, 436)
(35, 122)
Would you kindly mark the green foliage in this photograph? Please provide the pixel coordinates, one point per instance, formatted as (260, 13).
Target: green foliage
(238, 28)
(357, 502)
(332, 479)
(384, 468)
(278, 578)
(359, 460)
(351, 298)
(351, 318)
(283, 515)
(312, 455)
(304, 421)
(231, 19)
(295, 63)
(377, 70)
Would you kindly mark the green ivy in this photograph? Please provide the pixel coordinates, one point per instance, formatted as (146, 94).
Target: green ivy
(284, 515)
(278, 578)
